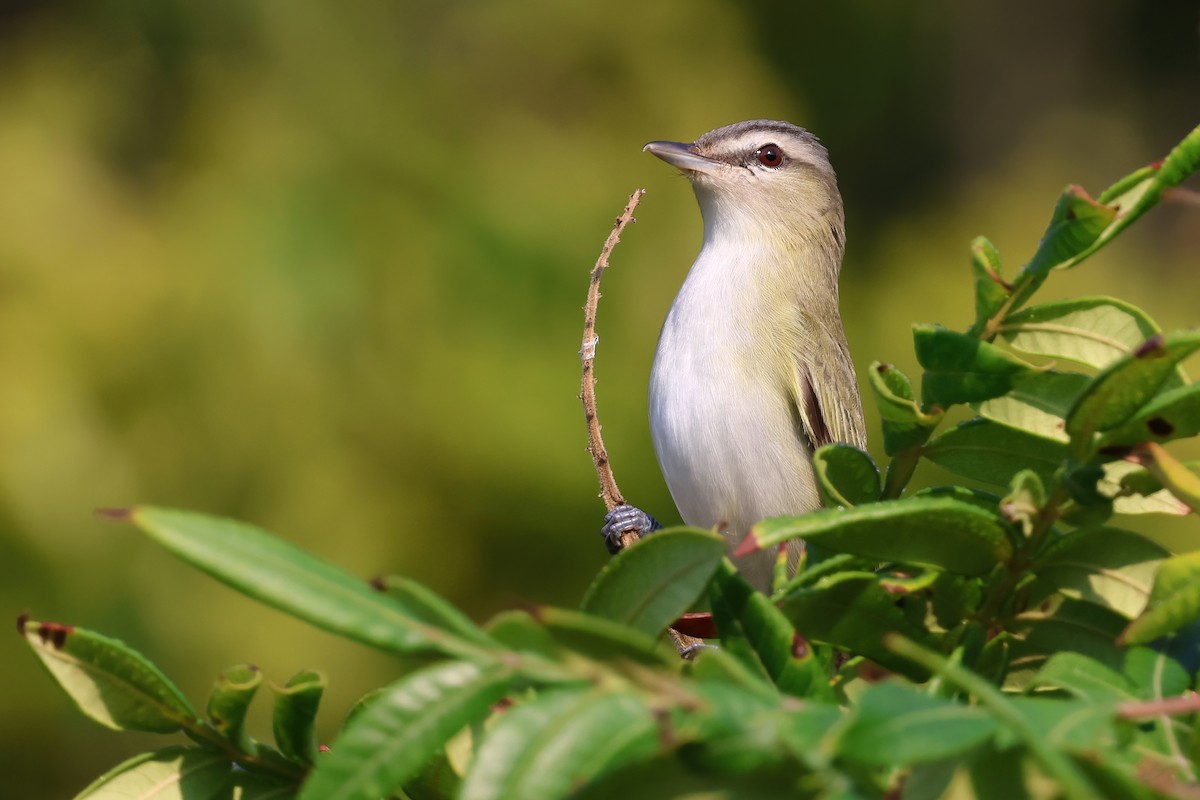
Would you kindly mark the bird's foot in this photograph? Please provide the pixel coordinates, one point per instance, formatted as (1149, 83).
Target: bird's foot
(623, 519)
(690, 652)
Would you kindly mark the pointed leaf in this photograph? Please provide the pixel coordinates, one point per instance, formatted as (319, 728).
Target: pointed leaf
(1061, 624)
(852, 611)
(649, 585)
(1174, 475)
(1095, 331)
(1067, 725)
(282, 575)
(932, 531)
(1174, 600)
(1183, 161)
(1085, 678)
(990, 452)
(846, 475)
(600, 638)
(229, 702)
(559, 742)
(405, 726)
(1109, 566)
(991, 290)
(172, 773)
(1122, 389)
(1075, 225)
(1088, 225)
(905, 425)
(111, 683)
(753, 629)
(427, 606)
(1135, 491)
(735, 732)
(1171, 415)
(295, 720)
(960, 368)
(894, 725)
(1038, 403)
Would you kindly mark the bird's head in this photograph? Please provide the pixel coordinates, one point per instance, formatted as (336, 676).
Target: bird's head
(761, 180)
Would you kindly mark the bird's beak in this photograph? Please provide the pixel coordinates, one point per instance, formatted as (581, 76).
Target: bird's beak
(680, 155)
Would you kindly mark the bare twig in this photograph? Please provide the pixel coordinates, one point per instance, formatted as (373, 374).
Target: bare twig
(587, 395)
(587, 354)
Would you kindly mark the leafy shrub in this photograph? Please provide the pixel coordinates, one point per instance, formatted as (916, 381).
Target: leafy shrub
(991, 643)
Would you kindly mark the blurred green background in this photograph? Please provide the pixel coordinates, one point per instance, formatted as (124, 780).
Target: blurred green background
(321, 268)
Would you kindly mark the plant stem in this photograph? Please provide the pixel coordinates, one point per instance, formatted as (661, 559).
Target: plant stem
(1072, 782)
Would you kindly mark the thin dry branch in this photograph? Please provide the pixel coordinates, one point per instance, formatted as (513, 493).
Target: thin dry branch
(587, 354)
(587, 395)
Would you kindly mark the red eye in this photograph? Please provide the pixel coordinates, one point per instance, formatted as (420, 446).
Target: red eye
(769, 155)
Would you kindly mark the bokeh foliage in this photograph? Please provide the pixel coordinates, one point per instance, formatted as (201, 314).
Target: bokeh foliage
(321, 269)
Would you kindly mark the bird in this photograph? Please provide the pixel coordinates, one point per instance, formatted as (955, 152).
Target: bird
(753, 371)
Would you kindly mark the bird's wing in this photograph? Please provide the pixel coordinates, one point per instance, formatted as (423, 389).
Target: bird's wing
(826, 392)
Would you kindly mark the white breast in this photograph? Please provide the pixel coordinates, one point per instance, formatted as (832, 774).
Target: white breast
(721, 410)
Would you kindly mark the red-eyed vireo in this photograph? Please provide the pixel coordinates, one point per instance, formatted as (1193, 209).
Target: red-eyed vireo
(752, 372)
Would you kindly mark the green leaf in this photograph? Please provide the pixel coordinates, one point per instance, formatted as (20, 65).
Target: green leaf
(1084, 678)
(1015, 724)
(1171, 415)
(599, 638)
(518, 630)
(1075, 226)
(172, 773)
(960, 368)
(1135, 491)
(846, 475)
(1120, 391)
(955, 598)
(295, 720)
(852, 611)
(1109, 566)
(437, 780)
(390, 740)
(1061, 624)
(991, 290)
(715, 665)
(649, 585)
(669, 778)
(559, 742)
(1183, 161)
(1174, 600)
(1174, 475)
(229, 702)
(905, 425)
(931, 531)
(427, 606)
(1069, 725)
(1025, 497)
(1038, 403)
(109, 682)
(1080, 226)
(735, 732)
(1082, 482)
(1095, 331)
(893, 725)
(988, 451)
(282, 575)
(998, 774)
(754, 630)
(1156, 673)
